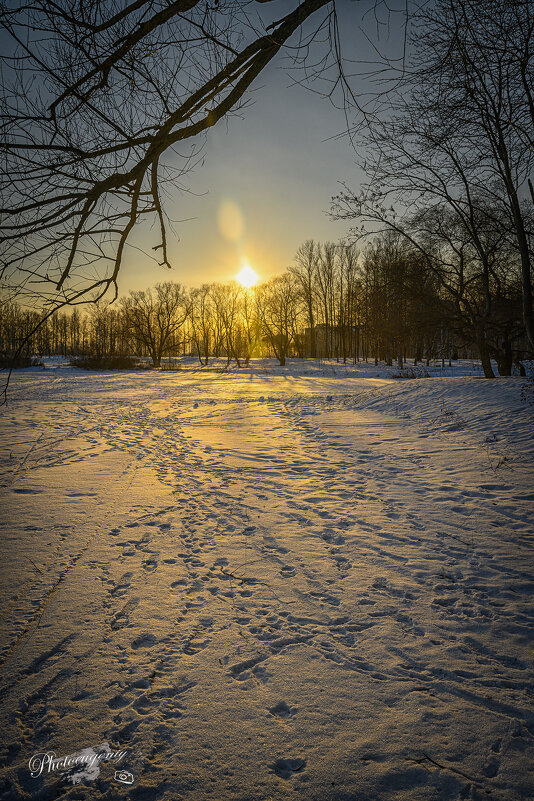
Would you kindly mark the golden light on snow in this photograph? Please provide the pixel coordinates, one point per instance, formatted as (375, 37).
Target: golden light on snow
(230, 221)
(247, 277)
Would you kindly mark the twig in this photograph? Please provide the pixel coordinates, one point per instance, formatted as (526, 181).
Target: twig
(428, 758)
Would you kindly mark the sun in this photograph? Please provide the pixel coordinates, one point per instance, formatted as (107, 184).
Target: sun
(247, 277)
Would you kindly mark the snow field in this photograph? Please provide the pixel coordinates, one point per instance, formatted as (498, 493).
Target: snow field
(265, 584)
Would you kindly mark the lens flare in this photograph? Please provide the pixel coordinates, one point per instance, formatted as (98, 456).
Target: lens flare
(230, 221)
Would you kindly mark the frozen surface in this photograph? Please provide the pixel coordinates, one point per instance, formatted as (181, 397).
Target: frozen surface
(309, 582)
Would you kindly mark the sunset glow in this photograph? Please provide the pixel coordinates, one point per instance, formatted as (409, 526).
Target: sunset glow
(247, 277)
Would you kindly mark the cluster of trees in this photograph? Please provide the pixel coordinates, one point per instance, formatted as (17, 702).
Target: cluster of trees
(449, 152)
(332, 302)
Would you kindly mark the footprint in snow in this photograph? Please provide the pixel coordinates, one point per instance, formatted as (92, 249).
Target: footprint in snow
(491, 767)
(143, 705)
(342, 563)
(118, 702)
(194, 645)
(269, 543)
(332, 538)
(285, 768)
(261, 674)
(122, 619)
(144, 641)
(445, 601)
(287, 571)
(282, 710)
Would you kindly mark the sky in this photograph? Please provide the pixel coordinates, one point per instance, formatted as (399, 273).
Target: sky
(266, 182)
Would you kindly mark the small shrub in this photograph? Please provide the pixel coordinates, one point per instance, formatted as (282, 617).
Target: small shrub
(168, 367)
(8, 362)
(411, 372)
(450, 418)
(105, 362)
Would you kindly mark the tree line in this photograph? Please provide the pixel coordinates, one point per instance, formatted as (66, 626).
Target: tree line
(445, 136)
(382, 303)
(448, 151)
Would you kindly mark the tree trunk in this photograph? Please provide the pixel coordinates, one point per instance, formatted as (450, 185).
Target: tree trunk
(313, 346)
(504, 358)
(524, 252)
(520, 366)
(484, 355)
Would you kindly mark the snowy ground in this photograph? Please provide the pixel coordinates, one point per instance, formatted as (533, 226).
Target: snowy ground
(310, 582)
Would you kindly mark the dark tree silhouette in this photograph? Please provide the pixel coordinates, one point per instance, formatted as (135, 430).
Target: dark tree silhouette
(454, 135)
(98, 99)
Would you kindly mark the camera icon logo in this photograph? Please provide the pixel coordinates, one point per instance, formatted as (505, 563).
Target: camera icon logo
(124, 776)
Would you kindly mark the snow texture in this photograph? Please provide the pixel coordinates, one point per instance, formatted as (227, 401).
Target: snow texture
(310, 582)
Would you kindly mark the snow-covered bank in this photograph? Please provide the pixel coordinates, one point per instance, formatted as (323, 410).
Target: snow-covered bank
(315, 367)
(269, 583)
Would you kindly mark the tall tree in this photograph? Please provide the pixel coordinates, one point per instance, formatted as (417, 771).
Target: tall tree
(154, 317)
(277, 309)
(481, 51)
(456, 131)
(304, 271)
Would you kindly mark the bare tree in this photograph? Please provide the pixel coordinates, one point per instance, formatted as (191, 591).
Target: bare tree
(100, 103)
(453, 142)
(226, 299)
(457, 129)
(424, 292)
(250, 323)
(483, 54)
(154, 317)
(202, 320)
(104, 328)
(304, 271)
(277, 310)
(347, 288)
